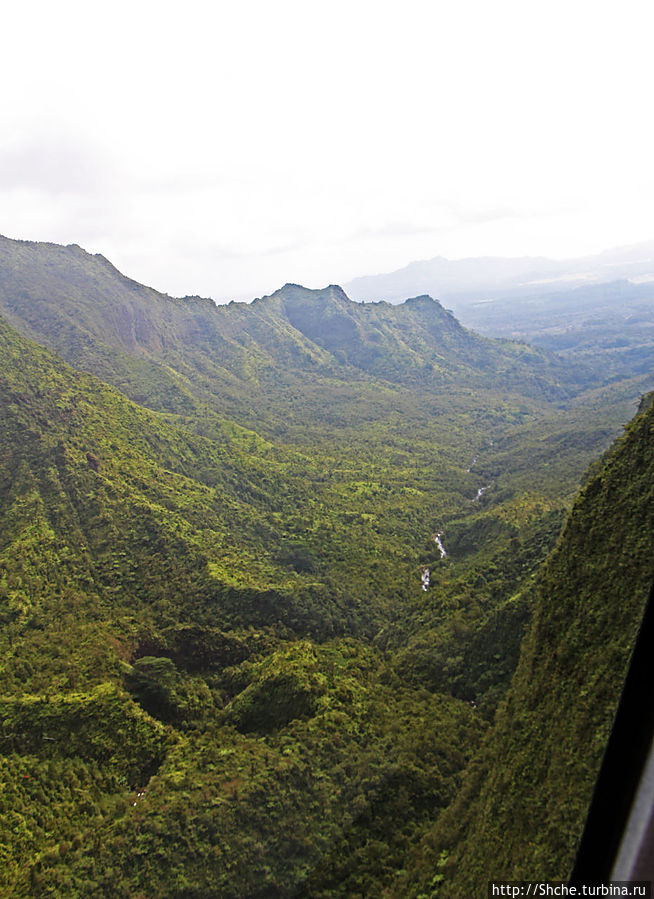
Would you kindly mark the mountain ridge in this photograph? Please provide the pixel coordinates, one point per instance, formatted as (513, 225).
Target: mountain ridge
(170, 353)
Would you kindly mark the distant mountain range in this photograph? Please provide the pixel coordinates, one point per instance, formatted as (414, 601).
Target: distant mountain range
(459, 282)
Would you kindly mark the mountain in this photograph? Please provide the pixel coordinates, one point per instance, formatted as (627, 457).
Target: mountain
(402, 391)
(221, 673)
(598, 310)
(460, 281)
(248, 359)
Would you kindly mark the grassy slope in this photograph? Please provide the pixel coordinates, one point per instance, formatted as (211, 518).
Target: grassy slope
(106, 501)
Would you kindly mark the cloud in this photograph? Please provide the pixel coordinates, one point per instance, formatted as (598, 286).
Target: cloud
(54, 163)
(245, 145)
(396, 229)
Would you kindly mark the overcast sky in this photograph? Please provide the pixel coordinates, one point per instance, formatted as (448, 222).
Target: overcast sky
(225, 148)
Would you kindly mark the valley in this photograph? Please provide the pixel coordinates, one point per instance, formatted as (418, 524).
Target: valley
(222, 673)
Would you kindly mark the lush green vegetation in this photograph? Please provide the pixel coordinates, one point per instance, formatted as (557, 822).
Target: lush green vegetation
(219, 673)
(523, 806)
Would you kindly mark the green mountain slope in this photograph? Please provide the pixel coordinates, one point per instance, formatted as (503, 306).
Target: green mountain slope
(151, 597)
(250, 360)
(416, 342)
(106, 501)
(305, 366)
(388, 406)
(148, 523)
(522, 811)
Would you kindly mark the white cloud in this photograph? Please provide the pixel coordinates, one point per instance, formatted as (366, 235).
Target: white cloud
(227, 148)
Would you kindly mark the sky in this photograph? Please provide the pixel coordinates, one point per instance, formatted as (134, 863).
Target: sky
(226, 148)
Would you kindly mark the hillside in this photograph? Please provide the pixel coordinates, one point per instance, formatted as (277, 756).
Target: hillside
(153, 603)
(369, 393)
(258, 532)
(308, 367)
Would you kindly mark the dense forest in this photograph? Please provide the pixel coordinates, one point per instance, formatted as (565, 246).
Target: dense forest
(288, 588)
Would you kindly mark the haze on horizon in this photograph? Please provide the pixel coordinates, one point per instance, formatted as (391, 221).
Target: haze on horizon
(226, 150)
